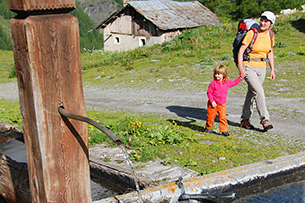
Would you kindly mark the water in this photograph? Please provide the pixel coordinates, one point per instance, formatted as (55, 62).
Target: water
(282, 188)
(292, 194)
(130, 164)
(16, 151)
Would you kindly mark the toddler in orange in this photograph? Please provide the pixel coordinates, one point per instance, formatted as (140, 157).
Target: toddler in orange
(217, 94)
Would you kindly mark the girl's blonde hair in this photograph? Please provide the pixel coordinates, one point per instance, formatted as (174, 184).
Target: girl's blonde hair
(221, 69)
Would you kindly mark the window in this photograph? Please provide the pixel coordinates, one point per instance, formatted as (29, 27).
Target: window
(116, 40)
(142, 41)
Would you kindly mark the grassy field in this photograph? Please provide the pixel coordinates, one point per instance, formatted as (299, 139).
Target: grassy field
(186, 64)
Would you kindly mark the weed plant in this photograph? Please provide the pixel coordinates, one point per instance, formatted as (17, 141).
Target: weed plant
(177, 141)
(184, 143)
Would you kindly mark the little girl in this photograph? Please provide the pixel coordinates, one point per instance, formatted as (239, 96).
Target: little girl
(217, 94)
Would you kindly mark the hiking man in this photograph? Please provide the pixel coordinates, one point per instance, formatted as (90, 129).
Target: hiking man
(253, 70)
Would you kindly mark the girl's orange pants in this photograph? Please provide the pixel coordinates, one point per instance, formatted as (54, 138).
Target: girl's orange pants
(222, 117)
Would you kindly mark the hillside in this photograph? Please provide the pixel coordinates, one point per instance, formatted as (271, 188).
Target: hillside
(182, 63)
(99, 10)
(88, 40)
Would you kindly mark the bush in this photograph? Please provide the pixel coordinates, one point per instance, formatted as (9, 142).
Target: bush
(280, 45)
(88, 40)
(5, 40)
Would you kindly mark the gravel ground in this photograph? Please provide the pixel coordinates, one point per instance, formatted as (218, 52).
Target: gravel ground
(287, 114)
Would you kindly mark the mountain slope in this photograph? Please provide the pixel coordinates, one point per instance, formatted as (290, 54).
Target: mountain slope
(88, 40)
(98, 10)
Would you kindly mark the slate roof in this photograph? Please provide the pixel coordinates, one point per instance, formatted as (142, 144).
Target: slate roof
(168, 15)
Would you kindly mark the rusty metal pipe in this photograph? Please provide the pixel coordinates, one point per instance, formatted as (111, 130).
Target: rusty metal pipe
(102, 128)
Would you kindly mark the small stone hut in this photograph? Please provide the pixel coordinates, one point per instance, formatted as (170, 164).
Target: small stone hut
(145, 23)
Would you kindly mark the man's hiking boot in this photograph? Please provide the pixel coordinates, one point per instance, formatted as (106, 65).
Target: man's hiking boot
(225, 133)
(245, 123)
(267, 125)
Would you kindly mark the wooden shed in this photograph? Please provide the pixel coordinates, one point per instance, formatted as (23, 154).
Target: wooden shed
(145, 23)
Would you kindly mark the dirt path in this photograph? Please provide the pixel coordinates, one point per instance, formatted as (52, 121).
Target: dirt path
(287, 114)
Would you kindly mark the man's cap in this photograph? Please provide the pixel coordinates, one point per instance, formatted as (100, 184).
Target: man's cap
(269, 15)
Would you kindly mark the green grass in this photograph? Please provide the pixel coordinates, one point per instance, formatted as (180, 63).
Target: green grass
(177, 141)
(186, 64)
(10, 113)
(181, 142)
(7, 66)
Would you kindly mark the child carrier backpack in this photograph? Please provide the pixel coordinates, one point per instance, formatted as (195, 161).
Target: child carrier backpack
(243, 27)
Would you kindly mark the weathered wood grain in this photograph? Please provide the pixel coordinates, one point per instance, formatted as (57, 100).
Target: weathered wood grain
(8, 132)
(14, 184)
(47, 59)
(41, 5)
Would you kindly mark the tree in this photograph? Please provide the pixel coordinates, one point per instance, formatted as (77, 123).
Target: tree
(5, 11)
(88, 40)
(239, 9)
(5, 40)
(222, 8)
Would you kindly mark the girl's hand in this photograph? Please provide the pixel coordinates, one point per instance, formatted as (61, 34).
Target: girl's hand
(214, 104)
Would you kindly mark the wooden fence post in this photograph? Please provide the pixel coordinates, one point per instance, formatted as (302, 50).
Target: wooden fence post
(47, 58)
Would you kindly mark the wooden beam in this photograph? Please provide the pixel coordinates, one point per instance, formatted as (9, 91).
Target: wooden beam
(14, 184)
(8, 132)
(40, 5)
(47, 59)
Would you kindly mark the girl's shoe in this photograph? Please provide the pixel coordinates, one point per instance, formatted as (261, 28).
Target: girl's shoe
(225, 133)
(208, 131)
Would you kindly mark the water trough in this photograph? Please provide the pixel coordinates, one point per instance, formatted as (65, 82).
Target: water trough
(224, 181)
(243, 180)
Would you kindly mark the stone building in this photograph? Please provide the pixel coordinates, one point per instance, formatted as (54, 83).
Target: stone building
(145, 23)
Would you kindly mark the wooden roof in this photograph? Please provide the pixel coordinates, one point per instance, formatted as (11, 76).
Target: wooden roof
(169, 15)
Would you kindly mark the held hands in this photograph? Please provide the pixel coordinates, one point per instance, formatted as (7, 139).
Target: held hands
(242, 72)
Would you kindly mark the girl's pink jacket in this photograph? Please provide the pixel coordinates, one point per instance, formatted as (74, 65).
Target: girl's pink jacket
(217, 90)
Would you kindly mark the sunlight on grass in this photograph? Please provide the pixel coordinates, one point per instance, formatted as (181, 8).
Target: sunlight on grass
(185, 64)
(174, 142)
(7, 66)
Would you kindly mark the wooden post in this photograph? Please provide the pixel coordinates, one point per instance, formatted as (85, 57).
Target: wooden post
(47, 59)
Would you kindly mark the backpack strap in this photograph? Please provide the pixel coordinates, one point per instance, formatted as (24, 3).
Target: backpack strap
(250, 47)
(271, 36)
(255, 30)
